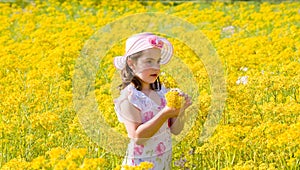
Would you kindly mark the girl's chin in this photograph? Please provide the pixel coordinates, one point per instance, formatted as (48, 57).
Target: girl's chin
(153, 80)
(149, 81)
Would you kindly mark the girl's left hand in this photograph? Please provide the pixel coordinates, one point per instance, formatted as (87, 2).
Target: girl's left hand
(188, 100)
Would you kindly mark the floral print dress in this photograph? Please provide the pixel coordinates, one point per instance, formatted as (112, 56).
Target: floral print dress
(158, 148)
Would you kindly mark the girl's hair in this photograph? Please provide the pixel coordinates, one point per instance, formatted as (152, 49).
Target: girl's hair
(128, 76)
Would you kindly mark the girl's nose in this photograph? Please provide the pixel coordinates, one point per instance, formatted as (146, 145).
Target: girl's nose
(156, 66)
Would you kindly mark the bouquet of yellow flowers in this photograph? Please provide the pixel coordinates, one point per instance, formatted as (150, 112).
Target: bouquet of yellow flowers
(174, 99)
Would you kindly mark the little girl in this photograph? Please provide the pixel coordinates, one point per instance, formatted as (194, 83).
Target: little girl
(141, 105)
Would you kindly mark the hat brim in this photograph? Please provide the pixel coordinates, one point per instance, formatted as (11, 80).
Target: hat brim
(166, 54)
(120, 62)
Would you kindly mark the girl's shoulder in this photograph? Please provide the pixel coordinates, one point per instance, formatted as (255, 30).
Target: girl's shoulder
(130, 95)
(131, 92)
(127, 106)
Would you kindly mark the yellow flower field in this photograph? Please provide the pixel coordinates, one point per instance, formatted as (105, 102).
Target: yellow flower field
(257, 43)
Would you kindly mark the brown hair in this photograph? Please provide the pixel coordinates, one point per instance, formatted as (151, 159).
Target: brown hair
(128, 76)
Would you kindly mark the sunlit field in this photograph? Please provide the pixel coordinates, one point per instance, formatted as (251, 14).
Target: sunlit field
(258, 45)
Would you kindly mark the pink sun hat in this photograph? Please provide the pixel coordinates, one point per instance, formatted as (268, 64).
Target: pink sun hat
(144, 41)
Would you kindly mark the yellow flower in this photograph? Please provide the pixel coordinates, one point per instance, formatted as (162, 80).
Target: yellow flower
(142, 166)
(146, 165)
(56, 153)
(168, 81)
(174, 100)
(76, 154)
(92, 163)
(38, 162)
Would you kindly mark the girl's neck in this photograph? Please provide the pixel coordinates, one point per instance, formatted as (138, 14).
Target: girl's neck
(147, 92)
(146, 88)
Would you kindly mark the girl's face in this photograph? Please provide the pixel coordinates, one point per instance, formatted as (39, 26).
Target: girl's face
(147, 66)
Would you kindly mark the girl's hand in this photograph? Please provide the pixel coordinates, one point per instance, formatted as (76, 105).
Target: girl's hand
(188, 100)
(173, 112)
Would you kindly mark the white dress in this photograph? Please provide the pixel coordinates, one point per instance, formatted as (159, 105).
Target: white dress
(157, 149)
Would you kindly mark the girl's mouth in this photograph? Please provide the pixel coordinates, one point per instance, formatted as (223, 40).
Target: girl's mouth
(153, 75)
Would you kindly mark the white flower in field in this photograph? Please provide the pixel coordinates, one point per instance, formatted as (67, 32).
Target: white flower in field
(242, 80)
(229, 29)
(262, 72)
(244, 69)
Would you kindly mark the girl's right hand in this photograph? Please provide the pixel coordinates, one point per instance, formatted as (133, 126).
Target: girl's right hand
(171, 112)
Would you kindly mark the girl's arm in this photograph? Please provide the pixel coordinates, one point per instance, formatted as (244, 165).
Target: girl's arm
(141, 132)
(177, 123)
